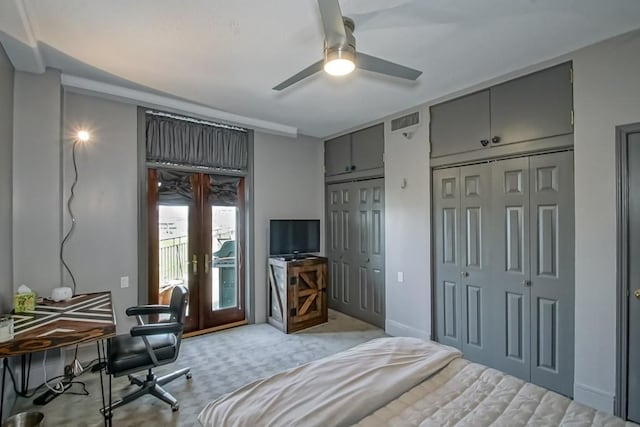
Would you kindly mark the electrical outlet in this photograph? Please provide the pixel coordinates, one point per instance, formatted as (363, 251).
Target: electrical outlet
(124, 282)
(400, 276)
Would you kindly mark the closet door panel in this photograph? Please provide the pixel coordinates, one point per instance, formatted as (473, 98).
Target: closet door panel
(510, 266)
(552, 275)
(446, 212)
(475, 277)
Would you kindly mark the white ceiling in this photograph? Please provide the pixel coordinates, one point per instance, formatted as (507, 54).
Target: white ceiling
(229, 54)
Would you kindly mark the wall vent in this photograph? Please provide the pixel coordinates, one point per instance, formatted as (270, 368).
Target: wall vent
(405, 121)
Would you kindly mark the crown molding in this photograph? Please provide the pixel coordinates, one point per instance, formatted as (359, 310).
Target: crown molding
(151, 100)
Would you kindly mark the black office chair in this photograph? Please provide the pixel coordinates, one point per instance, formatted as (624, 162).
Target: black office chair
(148, 346)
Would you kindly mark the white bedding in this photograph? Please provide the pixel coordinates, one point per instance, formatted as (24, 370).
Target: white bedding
(469, 394)
(397, 382)
(337, 390)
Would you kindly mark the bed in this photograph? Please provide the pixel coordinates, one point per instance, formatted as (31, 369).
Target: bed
(397, 381)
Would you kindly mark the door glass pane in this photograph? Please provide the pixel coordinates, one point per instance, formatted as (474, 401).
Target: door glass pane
(223, 201)
(175, 201)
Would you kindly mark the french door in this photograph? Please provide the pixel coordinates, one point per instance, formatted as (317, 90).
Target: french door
(196, 238)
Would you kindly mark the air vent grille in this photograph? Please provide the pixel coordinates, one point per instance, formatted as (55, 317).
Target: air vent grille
(405, 121)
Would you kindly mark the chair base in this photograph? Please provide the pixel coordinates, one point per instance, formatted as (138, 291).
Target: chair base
(150, 385)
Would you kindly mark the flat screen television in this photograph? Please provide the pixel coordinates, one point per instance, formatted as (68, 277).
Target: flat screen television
(294, 236)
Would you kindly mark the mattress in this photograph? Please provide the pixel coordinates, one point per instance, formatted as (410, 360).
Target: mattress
(397, 382)
(470, 394)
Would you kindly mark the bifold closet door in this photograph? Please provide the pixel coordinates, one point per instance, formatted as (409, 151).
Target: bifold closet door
(552, 271)
(340, 209)
(463, 276)
(355, 249)
(446, 212)
(511, 300)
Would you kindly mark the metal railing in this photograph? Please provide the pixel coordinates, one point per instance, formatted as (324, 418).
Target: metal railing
(173, 259)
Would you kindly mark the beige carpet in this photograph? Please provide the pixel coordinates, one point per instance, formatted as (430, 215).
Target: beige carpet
(220, 362)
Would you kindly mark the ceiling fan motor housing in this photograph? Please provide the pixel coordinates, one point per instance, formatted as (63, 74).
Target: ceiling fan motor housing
(346, 49)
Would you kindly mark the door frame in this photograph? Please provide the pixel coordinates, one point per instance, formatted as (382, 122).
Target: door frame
(622, 279)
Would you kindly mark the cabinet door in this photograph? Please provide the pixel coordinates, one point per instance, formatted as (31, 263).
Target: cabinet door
(446, 211)
(337, 155)
(534, 106)
(367, 148)
(460, 125)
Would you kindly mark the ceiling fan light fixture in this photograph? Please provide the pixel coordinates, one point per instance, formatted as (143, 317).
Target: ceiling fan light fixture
(339, 62)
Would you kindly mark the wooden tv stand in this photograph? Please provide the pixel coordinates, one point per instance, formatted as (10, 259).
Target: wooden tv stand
(297, 293)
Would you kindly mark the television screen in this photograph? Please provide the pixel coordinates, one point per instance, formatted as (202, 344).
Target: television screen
(294, 236)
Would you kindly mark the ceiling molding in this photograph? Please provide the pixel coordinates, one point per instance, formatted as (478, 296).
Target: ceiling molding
(24, 54)
(147, 99)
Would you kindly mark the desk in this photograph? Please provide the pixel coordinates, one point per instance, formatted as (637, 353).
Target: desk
(52, 325)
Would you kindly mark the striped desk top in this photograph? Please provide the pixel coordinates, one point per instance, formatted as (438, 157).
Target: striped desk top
(85, 317)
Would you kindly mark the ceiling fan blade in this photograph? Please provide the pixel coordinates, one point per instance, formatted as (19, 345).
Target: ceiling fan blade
(334, 32)
(311, 69)
(382, 66)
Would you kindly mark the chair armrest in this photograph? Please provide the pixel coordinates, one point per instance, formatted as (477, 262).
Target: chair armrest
(156, 328)
(142, 310)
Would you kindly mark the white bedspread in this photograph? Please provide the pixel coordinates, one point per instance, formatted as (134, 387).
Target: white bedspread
(469, 394)
(334, 391)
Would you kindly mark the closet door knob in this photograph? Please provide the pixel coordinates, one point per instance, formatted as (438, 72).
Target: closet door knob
(495, 139)
(465, 274)
(353, 167)
(484, 142)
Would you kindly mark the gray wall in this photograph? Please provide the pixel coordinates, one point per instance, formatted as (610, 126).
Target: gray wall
(36, 181)
(104, 244)
(6, 138)
(289, 183)
(606, 94)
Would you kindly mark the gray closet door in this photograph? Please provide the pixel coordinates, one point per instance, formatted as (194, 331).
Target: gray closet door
(355, 249)
(510, 267)
(340, 206)
(369, 296)
(446, 212)
(633, 391)
(475, 277)
(552, 271)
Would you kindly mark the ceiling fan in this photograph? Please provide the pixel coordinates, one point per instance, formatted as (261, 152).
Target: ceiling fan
(340, 56)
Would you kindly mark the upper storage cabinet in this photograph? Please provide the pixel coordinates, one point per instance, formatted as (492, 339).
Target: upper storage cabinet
(525, 110)
(359, 153)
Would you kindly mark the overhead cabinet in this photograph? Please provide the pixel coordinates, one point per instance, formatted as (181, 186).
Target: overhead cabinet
(357, 152)
(529, 108)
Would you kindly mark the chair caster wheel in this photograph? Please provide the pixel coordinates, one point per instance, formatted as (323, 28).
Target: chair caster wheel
(175, 407)
(188, 375)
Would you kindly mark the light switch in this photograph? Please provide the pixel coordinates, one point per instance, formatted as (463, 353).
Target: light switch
(124, 282)
(400, 277)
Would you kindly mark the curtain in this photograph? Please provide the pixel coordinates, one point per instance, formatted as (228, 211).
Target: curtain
(185, 143)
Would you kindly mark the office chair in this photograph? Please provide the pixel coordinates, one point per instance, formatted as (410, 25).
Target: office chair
(148, 346)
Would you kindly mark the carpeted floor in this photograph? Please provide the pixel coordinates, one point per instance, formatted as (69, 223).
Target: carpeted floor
(221, 362)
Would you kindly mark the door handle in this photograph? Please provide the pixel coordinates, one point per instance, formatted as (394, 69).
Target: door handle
(637, 293)
(194, 263)
(368, 259)
(526, 283)
(206, 263)
(465, 274)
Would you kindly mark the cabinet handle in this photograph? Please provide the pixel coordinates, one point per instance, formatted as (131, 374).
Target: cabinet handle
(484, 142)
(495, 139)
(353, 167)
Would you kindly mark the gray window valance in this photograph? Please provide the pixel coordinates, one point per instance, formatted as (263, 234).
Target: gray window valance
(195, 144)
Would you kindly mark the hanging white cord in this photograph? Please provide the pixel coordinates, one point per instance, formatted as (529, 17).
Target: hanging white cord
(58, 388)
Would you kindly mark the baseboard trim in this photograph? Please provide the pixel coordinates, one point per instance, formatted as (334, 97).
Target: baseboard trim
(594, 397)
(397, 329)
(215, 329)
